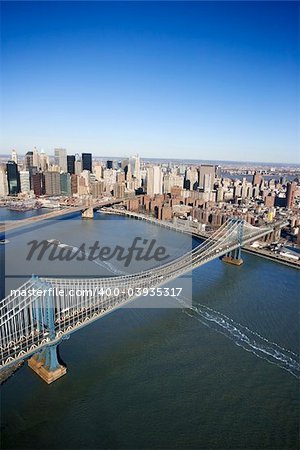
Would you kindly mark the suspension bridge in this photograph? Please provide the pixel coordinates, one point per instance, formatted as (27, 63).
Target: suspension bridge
(44, 311)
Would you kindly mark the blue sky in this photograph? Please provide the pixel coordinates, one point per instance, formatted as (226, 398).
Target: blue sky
(203, 80)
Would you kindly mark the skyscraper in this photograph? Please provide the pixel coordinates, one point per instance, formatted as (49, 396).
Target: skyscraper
(36, 158)
(52, 183)
(136, 166)
(13, 178)
(44, 161)
(109, 164)
(60, 155)
(87, 161)
(38, 184)
(257, 179)
(65, 184)
(290, 194)
(71, 164)
(206, 170)
(28, 160)
(3, 181)
(14, 156)
(191, 179)
(24, 181)
(154, 180)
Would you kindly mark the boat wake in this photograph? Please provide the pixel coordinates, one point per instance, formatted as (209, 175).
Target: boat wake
(244, 337)
(105, 264)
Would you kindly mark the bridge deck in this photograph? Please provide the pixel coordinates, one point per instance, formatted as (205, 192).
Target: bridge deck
(32, 322)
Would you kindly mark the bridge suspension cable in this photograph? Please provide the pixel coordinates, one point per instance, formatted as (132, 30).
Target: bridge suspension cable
(32, 322)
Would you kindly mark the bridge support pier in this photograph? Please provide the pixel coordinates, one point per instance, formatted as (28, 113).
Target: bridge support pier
(88, 213)
(46, 365)
(232, 258)
(235, 256)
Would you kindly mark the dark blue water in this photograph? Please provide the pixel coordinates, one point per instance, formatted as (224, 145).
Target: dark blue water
(221, 374)
(7, 214)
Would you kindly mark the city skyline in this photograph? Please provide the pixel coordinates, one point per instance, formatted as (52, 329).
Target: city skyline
(207, 80)
(7, 156)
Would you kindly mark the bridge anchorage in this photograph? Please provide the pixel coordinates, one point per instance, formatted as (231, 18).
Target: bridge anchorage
(33, 324)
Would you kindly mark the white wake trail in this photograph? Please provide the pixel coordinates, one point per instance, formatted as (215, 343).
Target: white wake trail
(104, 264)
(244, 337)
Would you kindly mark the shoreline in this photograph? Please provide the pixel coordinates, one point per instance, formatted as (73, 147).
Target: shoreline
(203, 235)
(264, 254)
(8, 372)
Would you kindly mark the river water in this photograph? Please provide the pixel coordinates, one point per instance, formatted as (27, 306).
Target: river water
(221, 373)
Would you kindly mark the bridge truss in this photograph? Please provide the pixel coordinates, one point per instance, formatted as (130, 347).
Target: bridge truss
(34, 323)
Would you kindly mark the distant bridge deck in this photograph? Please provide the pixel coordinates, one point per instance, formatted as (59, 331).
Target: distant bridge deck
(55, 214)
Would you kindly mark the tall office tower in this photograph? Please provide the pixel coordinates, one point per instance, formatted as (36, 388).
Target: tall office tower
(257, 179)
(128, 173)
(65, 184)
(246, 190)
(24, 181)
(220, 194)
(78, 167)
(74, 184)
(154, 180)
(98, 171)
(38, 184)
(71, 164)
(109, 164)
(14, 156)
(207, 169)
(36, 158)
(290, 194)
(208, 182)
(87, 161)
(44, 161)
(52, 183)
(60, 158)
(110, 178)
(13, 178)
(136, 169)
(191, 179)
(3, 181)
(28, 160)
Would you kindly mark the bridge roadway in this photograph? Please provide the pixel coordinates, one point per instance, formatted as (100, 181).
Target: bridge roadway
(14, 224)
(32, 322)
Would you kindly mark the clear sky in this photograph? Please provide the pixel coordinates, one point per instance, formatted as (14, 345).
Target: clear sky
(203, 80)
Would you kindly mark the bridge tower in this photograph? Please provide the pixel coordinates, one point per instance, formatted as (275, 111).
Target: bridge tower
(88, 211)
(235, 256)
(45, 363)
